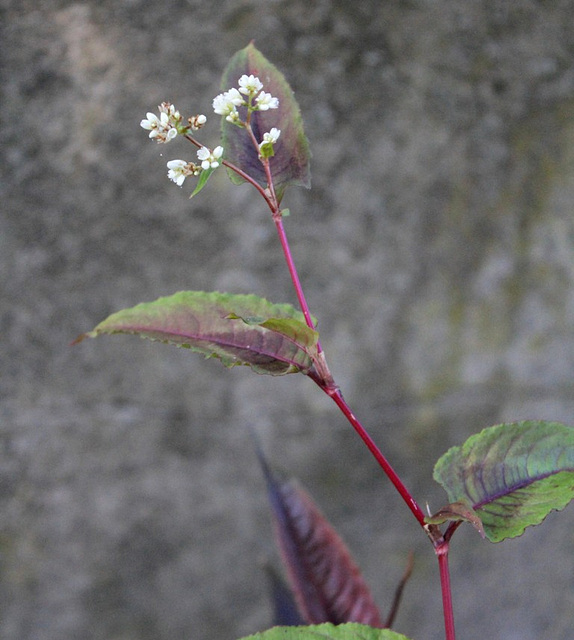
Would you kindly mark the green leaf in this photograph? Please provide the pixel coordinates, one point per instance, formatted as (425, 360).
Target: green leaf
(512, 474)
(327, 631)
(290, 161)
(203, 178)
(273, 340)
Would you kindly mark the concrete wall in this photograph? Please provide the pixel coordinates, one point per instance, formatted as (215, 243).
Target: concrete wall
(436, 248)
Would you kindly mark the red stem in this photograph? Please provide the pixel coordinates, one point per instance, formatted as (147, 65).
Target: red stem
(376, 452)
(293, 271)
(323, 377)
(325, 381)
(442, 554)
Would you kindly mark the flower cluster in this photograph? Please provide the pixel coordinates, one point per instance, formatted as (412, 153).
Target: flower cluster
(164, 128)
(209, 159)
(250, 94)
(179, 170)
(225, 104)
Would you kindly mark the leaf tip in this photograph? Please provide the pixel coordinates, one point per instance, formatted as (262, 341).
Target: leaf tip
(82, 337)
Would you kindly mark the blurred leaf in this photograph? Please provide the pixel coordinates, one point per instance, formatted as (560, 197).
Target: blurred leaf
(279, 342)
(326, 582)
(327, 631)
(285, 611)
(512, 474)
(290, 162)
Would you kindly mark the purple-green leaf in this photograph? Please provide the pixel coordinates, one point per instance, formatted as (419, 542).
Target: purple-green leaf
(327, 631)
(290, 162)
(275, 340)
(513, 475)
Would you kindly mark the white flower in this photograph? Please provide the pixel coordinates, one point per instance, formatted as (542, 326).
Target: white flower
(271, 137)
(170, 111)
(179, 170)
(225, 103)
(151, 124)
(197, 122)
(249, 85)
(209, 159)
(266, 101)
(266, 145)
(164, 128)
(233, 116)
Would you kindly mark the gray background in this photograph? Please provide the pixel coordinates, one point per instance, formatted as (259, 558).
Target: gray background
(436, 247)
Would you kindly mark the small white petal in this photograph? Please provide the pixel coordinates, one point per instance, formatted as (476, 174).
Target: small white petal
(234, 97)
(176, 164)
(266, 101)
(249, 84)
(271, 137)
(220, 104)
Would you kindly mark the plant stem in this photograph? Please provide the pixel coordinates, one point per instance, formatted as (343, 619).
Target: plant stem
(238, 171)
(293, 272)
(441, 551)
(378, 455)
(325, 379)
(323, 376)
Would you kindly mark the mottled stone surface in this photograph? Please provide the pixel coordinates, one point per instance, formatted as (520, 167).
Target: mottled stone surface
(436, 248)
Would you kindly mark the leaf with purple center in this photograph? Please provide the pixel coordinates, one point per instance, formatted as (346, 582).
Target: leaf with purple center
(289, 163)
(511, 475)
(273, 340)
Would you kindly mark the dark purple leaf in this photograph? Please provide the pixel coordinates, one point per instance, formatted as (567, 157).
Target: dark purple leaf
(327, 583)
(285, 611)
